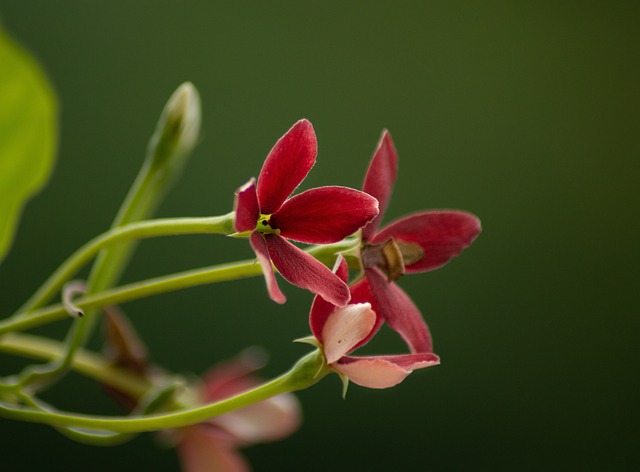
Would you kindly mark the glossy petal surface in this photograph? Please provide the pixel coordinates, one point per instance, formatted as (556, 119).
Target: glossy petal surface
(246, 207)
(345, 328)
(302, 270)
(383, 371)
(324, 215)
(441, 234)
(286, 166)
(260, 248)
(380, 179)
(400, 312)
(361, 293)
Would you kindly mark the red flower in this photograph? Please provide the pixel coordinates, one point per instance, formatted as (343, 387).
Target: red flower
(416, 243)
(318, 216)
(212, 445)
(340, 330)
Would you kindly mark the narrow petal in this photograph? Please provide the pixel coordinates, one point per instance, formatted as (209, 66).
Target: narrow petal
(345, 328)
(320, 308)
(380, 179)
(268, 420)
(383, 371)
(302, 270)
(324, 215)
(400, 312)
(406, 361)
(246, 207)
(202, 451)
(260, 248)
(286, 166)
(441, 234)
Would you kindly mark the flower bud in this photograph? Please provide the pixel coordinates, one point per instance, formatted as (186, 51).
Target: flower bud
(178, 128)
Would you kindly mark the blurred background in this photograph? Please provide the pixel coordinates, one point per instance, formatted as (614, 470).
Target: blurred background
(524, 113)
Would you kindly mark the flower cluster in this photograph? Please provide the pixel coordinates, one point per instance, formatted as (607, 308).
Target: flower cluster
(209, 421)
(345, 317)
(318, 216)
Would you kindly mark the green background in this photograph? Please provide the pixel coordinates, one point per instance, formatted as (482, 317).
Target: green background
(524, 113)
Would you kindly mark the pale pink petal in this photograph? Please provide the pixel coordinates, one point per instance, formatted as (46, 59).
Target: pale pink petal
(260, 248)
(406, 361)
(345, 328)
(382, 371)
(400, 312)
(380, 179)
(268, 420)
(324, 215)
(373, 373)
(246, 207)
(303, 270)
(201, 450)
(361, 293)
(442, 234)
(286, 166)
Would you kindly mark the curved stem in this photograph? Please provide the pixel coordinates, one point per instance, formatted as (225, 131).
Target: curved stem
(134, 291)
(143, 229)
(192, 278)
(306, 372)
(87, 363)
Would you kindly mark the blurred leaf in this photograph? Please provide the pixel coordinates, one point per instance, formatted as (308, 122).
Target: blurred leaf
(28, 134)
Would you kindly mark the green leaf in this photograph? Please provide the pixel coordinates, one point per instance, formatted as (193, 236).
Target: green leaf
(28, 134)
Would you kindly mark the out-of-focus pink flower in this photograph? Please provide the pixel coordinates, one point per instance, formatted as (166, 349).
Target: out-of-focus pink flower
(415, 243)
(317, 216)
(340, 330)
(213, 445)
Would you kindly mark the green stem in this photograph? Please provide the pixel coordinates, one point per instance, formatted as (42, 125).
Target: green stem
(134, 291)
(306, 372)
(207, 275)
(140, 230)
(44, 375)
(87, 363)
(175, 135)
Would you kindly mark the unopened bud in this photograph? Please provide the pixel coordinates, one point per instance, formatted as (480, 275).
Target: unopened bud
(178, 127)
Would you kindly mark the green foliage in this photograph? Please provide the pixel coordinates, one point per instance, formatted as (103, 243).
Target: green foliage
(28, 134)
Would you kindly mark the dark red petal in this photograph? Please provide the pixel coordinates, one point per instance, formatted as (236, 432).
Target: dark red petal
(324, 215)
(400, 312)
(260, 248)
(301, 269)
(246, 207)
(380, 179)
(286, 166)
(442, 234)
(341, 268)
(320, 308)
(320, 311)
